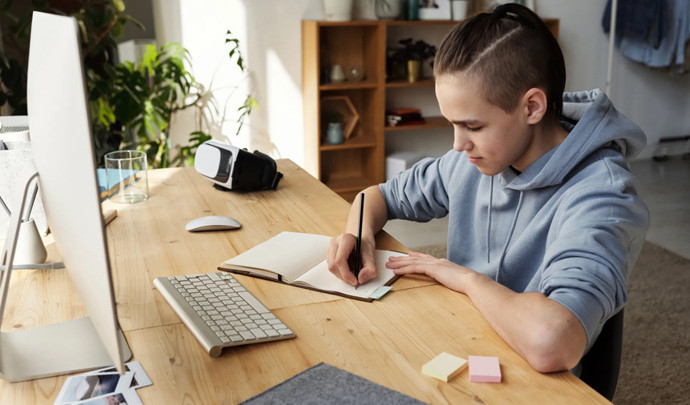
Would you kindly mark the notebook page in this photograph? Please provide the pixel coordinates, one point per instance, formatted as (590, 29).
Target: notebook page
(288, 254)
(319, 277)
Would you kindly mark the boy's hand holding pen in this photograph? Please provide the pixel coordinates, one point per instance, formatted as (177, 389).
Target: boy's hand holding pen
(352, 256)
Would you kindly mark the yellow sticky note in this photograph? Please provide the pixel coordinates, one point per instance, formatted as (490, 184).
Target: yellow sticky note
(444, 366)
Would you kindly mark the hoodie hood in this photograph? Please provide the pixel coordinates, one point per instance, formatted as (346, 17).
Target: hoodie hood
(592, 123)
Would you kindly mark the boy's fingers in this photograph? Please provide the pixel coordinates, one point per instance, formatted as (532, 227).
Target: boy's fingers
(338, 253)
(368, 268)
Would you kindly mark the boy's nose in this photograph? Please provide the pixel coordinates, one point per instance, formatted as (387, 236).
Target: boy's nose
(461, 142)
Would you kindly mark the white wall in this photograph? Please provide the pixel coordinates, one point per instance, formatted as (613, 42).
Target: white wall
(270, 34)
(270, 38)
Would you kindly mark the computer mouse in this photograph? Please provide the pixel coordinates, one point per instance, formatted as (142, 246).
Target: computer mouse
(212, 223)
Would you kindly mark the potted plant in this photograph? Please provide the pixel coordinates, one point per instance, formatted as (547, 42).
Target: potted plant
(132, 104)
(410, 56)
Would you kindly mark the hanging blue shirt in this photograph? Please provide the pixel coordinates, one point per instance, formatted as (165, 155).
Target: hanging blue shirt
(669, 50)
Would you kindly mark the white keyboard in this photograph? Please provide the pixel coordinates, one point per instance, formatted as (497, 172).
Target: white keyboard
(220, 311)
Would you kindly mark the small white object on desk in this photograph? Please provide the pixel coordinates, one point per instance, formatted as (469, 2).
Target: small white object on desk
(212, 223)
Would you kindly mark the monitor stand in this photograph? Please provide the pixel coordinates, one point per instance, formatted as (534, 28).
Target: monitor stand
(49, 350)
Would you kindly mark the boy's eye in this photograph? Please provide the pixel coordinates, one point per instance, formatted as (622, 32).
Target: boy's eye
(473, 129)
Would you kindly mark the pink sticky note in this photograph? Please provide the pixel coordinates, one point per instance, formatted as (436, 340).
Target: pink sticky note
(484, 369)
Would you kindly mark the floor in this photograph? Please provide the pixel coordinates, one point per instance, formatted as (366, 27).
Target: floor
(664, 186)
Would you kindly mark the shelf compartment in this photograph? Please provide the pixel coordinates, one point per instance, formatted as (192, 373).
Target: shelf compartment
(349, 45)
(343, 106)
(431, 123)
(349, 169)
(362, 104)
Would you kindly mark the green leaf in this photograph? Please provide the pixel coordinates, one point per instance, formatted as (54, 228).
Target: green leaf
(118, 5)
(149, 59)
(234, 45)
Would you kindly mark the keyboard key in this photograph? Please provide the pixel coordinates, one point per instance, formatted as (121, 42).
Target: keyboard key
(258, 333)
(247, 335)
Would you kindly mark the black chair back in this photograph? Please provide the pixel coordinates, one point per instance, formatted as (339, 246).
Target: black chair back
(601, 365)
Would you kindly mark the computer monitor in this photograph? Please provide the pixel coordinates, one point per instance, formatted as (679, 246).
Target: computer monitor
(63, 153)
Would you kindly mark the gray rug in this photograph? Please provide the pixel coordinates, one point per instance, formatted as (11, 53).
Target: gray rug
(655, 367)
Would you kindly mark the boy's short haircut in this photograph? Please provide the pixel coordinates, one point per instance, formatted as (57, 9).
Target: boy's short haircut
(509, 51)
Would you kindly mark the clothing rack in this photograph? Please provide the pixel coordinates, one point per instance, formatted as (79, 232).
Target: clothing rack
(667, 145)
(612, 38)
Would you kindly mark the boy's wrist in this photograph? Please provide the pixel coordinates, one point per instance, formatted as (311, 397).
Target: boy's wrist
(474, 281)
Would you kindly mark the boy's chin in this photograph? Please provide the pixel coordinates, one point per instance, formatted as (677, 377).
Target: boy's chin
(489, 171)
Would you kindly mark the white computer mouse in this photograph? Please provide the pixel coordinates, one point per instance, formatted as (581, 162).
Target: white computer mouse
(212, 223)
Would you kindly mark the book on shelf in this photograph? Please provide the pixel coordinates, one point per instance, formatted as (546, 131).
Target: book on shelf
(299, 259)
(404, 116)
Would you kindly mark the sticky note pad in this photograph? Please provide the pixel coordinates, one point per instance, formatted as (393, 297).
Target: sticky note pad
(484, 369)
(444, 366)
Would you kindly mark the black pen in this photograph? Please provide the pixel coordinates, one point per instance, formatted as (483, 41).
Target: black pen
(358, 244)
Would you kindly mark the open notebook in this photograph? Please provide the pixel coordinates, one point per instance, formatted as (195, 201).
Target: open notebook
(299, 259)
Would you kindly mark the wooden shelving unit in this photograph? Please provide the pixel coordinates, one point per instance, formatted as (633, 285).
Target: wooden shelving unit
(359, 161)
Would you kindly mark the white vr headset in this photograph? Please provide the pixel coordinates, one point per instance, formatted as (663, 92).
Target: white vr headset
(232, 168)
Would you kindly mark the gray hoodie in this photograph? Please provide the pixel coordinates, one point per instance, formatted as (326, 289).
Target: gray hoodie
(570, 226)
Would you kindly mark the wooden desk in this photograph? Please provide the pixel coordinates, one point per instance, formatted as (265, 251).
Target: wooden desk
(385, 341)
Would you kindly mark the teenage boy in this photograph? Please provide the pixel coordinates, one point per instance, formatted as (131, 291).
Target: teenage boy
(544, 220)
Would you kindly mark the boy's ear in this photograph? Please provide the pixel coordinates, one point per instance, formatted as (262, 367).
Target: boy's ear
(535, 104)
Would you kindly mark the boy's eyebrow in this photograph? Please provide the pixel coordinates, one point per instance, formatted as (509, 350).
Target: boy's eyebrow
(462, 122)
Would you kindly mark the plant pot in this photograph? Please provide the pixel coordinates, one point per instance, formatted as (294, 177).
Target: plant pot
(414, 68)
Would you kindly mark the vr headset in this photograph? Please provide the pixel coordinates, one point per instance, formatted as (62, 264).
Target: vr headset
(232, 168)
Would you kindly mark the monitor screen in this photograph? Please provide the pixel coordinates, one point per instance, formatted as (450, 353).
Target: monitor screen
(63, 153)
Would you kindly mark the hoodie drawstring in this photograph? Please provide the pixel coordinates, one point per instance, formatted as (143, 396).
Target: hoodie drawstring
(488, 224)
(510, 235)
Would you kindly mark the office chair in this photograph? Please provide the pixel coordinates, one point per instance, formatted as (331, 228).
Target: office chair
(601, 365)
